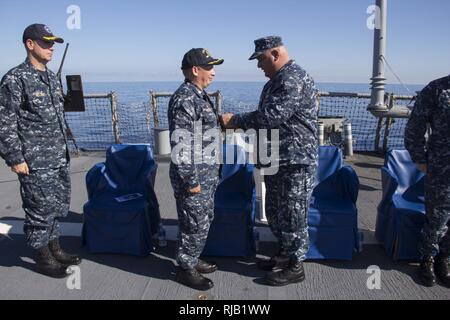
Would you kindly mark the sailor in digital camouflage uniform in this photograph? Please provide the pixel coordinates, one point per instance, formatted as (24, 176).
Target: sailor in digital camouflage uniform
(432, 156)
(194, 173)
(288, 104)
(33, 143)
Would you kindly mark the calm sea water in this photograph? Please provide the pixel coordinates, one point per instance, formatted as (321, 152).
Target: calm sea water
(245, 92)
(93, 128)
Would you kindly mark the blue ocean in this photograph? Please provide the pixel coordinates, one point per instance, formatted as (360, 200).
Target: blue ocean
(93, 129)
(239, 92)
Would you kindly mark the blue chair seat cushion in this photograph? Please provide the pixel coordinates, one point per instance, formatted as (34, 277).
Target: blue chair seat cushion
(401, 212)
(117, 212)
(400, 202)
(120, 229)
(231, 234)
(408, 214)
(332, 213)
(232, 201)
(331, 243)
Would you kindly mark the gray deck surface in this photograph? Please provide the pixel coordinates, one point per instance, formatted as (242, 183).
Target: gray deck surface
(125, 277)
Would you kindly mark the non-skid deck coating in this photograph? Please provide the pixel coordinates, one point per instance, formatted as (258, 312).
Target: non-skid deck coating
(126, 277)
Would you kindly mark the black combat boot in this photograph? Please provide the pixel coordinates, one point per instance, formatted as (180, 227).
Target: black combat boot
(280, 261)
(61, 256)
(426, 272)
(294, 273)
(206, 267)
(192, 279)
(442, 270)
(47, 264)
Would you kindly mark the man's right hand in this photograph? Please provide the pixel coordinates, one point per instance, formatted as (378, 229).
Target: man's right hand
(226, 120)
(195, 190)
(21, 168)
(422, 167)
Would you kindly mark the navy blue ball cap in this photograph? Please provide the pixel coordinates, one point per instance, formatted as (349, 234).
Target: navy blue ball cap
(39, 31)
(266, 43)
(199, 57)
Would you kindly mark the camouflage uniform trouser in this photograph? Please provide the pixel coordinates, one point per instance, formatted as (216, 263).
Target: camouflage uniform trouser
(46, 197)
(195, 214)
(288, 194)
(436, 232)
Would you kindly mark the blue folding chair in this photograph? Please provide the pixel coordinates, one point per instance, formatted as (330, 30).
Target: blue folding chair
(401, 212)
(333, 216)
(231, 232)
(122, 213)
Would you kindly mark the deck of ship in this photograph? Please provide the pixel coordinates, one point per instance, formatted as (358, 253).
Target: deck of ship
(106, 276)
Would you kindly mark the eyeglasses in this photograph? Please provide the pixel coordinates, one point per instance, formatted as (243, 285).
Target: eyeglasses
(44, 44)
(207, 67)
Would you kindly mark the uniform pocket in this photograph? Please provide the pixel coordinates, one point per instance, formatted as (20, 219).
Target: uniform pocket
(34, 197)
(209, 118)
(44, 108)
(193, 214)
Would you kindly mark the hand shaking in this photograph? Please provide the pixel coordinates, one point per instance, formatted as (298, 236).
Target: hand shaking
(225, 120)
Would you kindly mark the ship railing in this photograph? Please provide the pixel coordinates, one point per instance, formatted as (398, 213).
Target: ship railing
(107, 121)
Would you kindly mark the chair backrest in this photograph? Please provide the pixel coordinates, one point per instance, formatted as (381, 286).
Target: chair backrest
(330, 161)
(399, 163)
(127, 165)
(234, 159)
(236, 172)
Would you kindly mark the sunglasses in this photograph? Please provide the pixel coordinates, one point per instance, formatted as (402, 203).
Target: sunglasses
(44, 44)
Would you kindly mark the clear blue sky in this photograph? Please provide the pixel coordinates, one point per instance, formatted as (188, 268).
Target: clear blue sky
(141, 40)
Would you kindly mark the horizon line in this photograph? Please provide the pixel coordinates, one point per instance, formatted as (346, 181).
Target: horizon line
(243, 81)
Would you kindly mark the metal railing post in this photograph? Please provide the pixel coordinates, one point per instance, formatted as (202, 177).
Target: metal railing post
(154, 104)
(218, 102)
(115, 118)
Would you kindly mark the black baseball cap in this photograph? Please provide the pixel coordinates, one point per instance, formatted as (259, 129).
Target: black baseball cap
(199, 57)
(40, 32)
